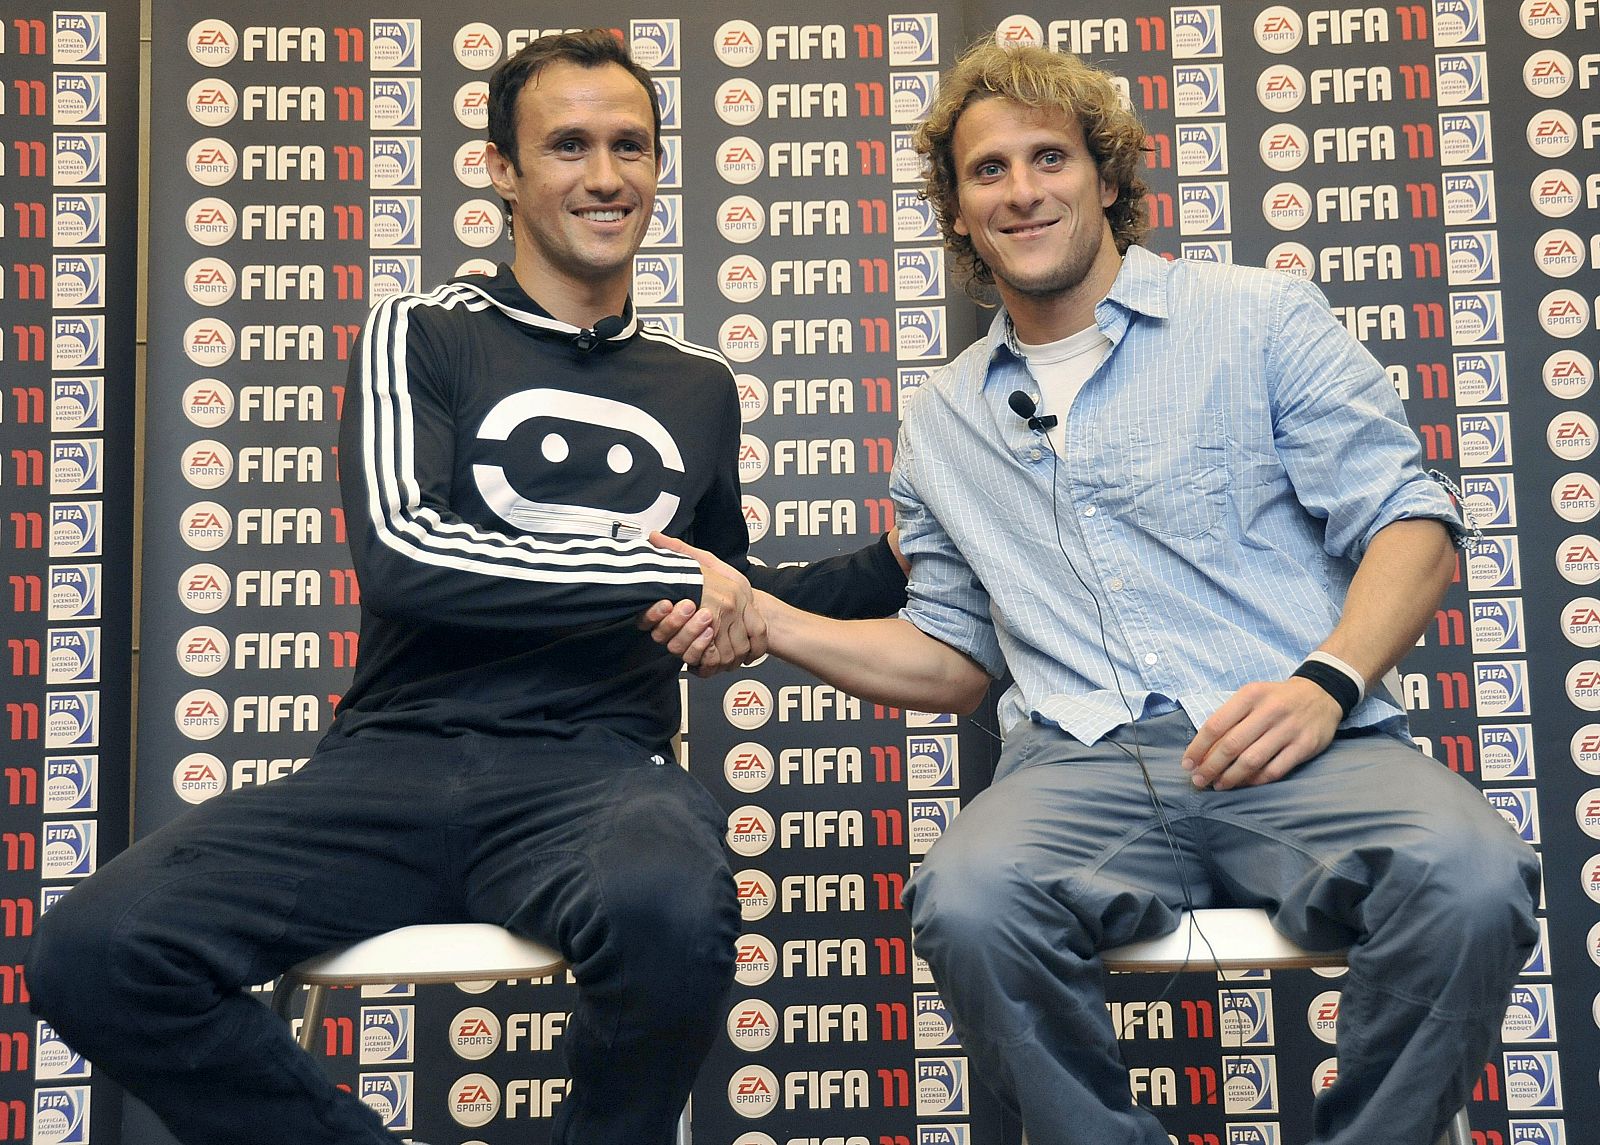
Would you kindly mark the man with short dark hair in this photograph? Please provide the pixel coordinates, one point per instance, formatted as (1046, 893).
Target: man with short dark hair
(503, 755)
(1182, 508)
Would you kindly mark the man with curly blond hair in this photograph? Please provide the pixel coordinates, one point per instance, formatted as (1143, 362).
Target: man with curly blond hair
(1181, 507)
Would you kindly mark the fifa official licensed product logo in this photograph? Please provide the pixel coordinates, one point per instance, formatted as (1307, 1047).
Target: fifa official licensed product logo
(1197, 32)
(1532, 1080)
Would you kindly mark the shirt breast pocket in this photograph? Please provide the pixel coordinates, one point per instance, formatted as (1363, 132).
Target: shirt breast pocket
(1179, 462)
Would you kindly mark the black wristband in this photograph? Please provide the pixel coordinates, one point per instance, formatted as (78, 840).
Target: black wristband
(1332, 681)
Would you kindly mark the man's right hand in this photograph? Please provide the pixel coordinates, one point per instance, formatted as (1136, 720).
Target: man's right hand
(726, 630)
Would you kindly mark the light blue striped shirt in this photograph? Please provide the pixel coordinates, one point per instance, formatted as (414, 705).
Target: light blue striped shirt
(1225, 468)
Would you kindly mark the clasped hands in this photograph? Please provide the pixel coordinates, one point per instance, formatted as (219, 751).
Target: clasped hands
(719, 633)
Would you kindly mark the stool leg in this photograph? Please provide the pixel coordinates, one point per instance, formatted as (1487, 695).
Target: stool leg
(1459, 1131)
(313, 1016)
(283, 993)
(684, 1118)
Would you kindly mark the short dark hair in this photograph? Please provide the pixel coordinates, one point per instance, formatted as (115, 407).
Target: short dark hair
(592, 48)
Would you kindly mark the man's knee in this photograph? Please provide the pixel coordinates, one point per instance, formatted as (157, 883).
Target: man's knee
(677, 928)
(73, 948)
(1478, 881)
(963, 894)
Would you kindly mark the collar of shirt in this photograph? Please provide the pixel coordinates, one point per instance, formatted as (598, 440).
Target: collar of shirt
(1140, 288)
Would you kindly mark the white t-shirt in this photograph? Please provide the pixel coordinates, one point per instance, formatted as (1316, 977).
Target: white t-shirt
(1061, 368)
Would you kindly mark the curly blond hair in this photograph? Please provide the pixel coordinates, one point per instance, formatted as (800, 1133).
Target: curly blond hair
(1037, 78)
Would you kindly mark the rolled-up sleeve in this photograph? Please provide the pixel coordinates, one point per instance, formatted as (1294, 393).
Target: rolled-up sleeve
(944, 598)
(1341, 431)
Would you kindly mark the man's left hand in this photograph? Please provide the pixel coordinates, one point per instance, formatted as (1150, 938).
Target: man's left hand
(1262, 733)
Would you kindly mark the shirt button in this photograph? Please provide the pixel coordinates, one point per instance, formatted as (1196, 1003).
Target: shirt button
(1035, 454)
(1115, 584)
(1089, 512)
(1150, 658)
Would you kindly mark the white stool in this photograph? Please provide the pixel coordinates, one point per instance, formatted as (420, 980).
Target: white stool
(447, 952)
(1237, 939)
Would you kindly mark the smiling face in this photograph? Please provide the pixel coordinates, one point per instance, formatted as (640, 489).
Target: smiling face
(1033, 204)
(581, 187)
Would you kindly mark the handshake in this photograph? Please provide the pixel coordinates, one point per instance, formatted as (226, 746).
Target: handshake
(725, 629)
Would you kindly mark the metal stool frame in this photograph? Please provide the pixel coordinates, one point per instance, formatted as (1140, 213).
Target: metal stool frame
(445, 952)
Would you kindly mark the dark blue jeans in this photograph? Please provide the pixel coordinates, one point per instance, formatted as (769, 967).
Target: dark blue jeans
(591, 846)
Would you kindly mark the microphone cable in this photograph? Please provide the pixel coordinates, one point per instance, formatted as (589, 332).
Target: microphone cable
(1026, 408)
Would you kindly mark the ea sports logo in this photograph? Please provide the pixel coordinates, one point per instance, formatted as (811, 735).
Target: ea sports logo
(1019, 31)
(200, 714)
(1323, 1016)
(471, 164)
(1585, 748)
(204, 588)
(1547, 73)
(747, 704)
(1552, 133)
(750, 831)
(471, 105)
(206, 527)
(475, 1033)
(742, 337)
(742, 278)
(478, 222)
(1281, 88)
(474, 1100)
(212, 102)
(213, 43)
(757, 517)
(210, 281)
(741, 219)
(477, 46)
(739, 102)
(1293, 259)
(757, 894)
(211, 221)
(737, 43)
(1559, 253)
(748, 767)
(752, 1025)
(1544, 19)
(1278, 29)
(1575, 497)
(753, 1091)
(1284, 146)
(208, 403)
(754, 458)
(1564, 313)
(1568, 374)
(198, 777)
(755, 960)
(1286, 206)
(1554, 193)
(1578, 559)
(207, 464)
(1583, 689)
(1571, 435)
(740, 160)
(208, 342)
(202, 651)
(211, 161)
